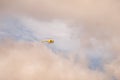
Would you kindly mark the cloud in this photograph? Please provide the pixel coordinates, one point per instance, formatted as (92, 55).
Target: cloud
(113, 67)
(31, 61)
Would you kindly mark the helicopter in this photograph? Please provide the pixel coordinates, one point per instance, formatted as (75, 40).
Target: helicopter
(48, 41)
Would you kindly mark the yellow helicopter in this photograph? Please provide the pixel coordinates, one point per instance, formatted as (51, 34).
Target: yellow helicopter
(48, 41)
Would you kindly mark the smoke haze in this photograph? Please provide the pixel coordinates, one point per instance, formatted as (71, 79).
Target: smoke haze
(88, 28)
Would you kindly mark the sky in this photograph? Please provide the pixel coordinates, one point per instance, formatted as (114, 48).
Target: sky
(86, 35)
